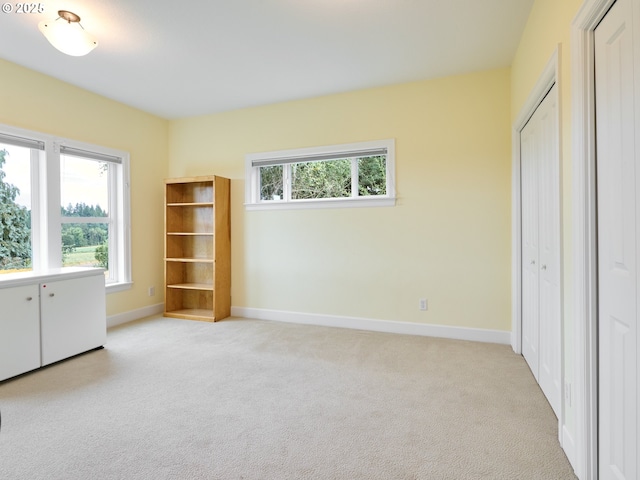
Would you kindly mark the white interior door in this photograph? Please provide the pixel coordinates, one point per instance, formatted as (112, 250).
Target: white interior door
(540, 189)
(618, 236)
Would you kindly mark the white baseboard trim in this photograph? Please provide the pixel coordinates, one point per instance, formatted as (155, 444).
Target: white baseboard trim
(132, 315)
(357, 323)
(514, 343)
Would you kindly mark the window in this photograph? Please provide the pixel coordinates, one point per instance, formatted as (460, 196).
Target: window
(68, 205)
(359, 174)
(15, 206)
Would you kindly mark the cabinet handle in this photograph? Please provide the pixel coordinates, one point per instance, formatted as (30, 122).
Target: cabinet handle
(52, 294)
(29, 299)
(544, 267)
(533, 262)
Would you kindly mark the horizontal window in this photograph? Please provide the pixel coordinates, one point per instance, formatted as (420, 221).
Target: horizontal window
(359, 174)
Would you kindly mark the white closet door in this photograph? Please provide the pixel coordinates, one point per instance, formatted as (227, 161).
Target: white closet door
(618, 180)
(529, 143)
(541, 308)
(549, 252)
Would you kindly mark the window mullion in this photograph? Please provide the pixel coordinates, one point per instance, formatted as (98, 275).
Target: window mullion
(354, 177)
(36, 218)
(51, 207)
(286, 184)
(255, 184)
(114, 227)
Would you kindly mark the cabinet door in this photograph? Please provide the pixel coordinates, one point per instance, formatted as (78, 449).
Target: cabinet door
(73, 317)
(19, 330)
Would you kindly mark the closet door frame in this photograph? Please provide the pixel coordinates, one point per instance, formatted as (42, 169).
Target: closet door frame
(549, 77)
(585, 246)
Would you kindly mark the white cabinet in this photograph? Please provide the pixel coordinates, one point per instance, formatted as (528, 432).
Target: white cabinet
(72, 317)
(49, 316)
(19, 330)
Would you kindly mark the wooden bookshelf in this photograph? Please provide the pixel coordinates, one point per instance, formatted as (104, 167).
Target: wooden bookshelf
(197, 248)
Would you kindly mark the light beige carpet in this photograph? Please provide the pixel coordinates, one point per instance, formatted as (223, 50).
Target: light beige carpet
(245, 399)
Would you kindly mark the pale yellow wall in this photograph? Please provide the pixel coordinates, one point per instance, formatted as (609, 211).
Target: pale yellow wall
(448, 238)
(37, 102)
(548, 26)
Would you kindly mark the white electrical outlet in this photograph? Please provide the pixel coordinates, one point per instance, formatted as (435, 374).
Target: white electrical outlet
(423, 304)
(152, 291)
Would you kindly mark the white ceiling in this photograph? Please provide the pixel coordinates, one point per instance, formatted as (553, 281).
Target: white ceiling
(178, 59)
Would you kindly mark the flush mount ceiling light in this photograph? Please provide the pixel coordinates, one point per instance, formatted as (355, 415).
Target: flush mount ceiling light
(67, 35)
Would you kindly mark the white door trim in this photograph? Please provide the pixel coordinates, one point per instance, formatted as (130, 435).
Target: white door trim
(550, 76)
(585, 286)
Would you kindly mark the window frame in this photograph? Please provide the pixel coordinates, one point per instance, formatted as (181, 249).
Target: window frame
(254, 161)
(46, 218)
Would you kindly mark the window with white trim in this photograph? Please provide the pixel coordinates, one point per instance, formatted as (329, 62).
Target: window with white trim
(16, 197)
(357, 174)
(65, 203)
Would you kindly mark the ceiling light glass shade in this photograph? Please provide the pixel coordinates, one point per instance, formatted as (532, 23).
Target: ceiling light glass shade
(68, 36)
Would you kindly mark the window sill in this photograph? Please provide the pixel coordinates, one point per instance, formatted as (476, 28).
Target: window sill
(323, 203)
(119, 287)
